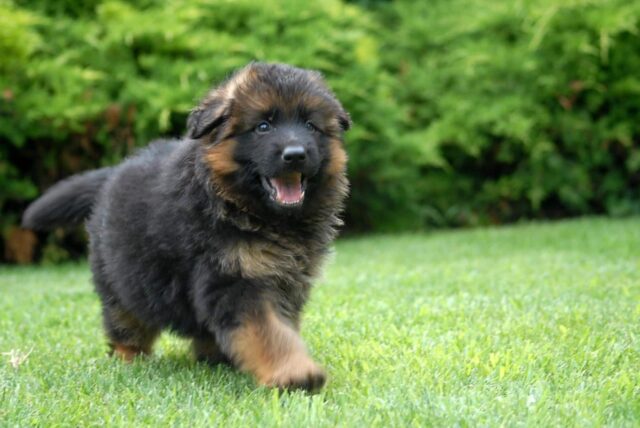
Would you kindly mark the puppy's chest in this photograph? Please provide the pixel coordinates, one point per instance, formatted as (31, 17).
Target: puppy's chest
(266, 260)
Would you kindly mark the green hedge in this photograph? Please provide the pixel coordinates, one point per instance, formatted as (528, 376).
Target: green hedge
(519, 108)
(466, 111)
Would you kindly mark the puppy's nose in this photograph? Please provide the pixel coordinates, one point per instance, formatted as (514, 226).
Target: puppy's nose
(294, 154)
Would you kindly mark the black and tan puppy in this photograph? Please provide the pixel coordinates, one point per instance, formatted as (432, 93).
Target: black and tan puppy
(218, 236)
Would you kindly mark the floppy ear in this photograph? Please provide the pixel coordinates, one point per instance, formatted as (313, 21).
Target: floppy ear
(203, 119)
(344, 120)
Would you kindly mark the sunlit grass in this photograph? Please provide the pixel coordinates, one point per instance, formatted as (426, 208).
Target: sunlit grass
(529, 325)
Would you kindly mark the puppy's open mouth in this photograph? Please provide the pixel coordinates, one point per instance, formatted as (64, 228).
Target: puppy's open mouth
(287, 189)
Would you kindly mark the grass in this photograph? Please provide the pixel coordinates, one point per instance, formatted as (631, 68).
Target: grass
(535, 325)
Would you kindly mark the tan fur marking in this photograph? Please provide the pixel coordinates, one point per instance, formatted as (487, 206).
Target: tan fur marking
(272, 351)
(141, 338)
(226, 93)
(220, 158)
(260, 101)
(236, 88)
(337, 158)
(128, 352)
(257, 259)
(238, 80)
(312, 102)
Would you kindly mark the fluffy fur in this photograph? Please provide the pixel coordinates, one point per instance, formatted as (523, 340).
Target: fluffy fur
(218, 236)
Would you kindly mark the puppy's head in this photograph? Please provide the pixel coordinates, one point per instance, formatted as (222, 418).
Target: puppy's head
(272, 134)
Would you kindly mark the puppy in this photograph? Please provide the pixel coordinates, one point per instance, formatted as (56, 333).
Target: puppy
(219, 235)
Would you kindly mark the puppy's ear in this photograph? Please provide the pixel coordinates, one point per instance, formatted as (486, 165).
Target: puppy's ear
(344, 119)
(208, 116)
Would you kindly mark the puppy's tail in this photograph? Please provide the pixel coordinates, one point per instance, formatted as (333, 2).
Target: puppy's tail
(68, 202)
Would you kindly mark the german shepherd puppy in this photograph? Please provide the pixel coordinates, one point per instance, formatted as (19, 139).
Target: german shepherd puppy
(219, 235)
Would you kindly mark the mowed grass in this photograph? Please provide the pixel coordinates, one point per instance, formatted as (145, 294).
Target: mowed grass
(535, 325)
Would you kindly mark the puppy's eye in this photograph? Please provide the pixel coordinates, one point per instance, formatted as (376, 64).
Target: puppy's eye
(263, 127)
(310, 126)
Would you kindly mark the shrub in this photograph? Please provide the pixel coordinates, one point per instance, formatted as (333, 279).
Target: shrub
(87, 83)
(520, 108)
(466, 112)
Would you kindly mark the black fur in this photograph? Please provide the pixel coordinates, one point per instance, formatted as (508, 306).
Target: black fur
(176, 244)
(69, 202)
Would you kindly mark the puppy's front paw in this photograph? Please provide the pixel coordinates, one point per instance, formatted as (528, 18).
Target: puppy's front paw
(297, 373)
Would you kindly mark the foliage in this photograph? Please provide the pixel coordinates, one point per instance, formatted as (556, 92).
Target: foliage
(465, 111)
(520, 108)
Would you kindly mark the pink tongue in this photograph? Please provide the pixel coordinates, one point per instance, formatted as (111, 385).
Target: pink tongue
(288, 188)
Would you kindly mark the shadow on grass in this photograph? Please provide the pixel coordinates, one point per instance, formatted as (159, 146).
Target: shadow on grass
(181, 371)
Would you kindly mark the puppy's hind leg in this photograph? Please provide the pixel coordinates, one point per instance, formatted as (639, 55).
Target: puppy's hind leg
(128, 336)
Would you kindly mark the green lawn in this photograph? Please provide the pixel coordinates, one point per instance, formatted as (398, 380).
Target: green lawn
(534, 325)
